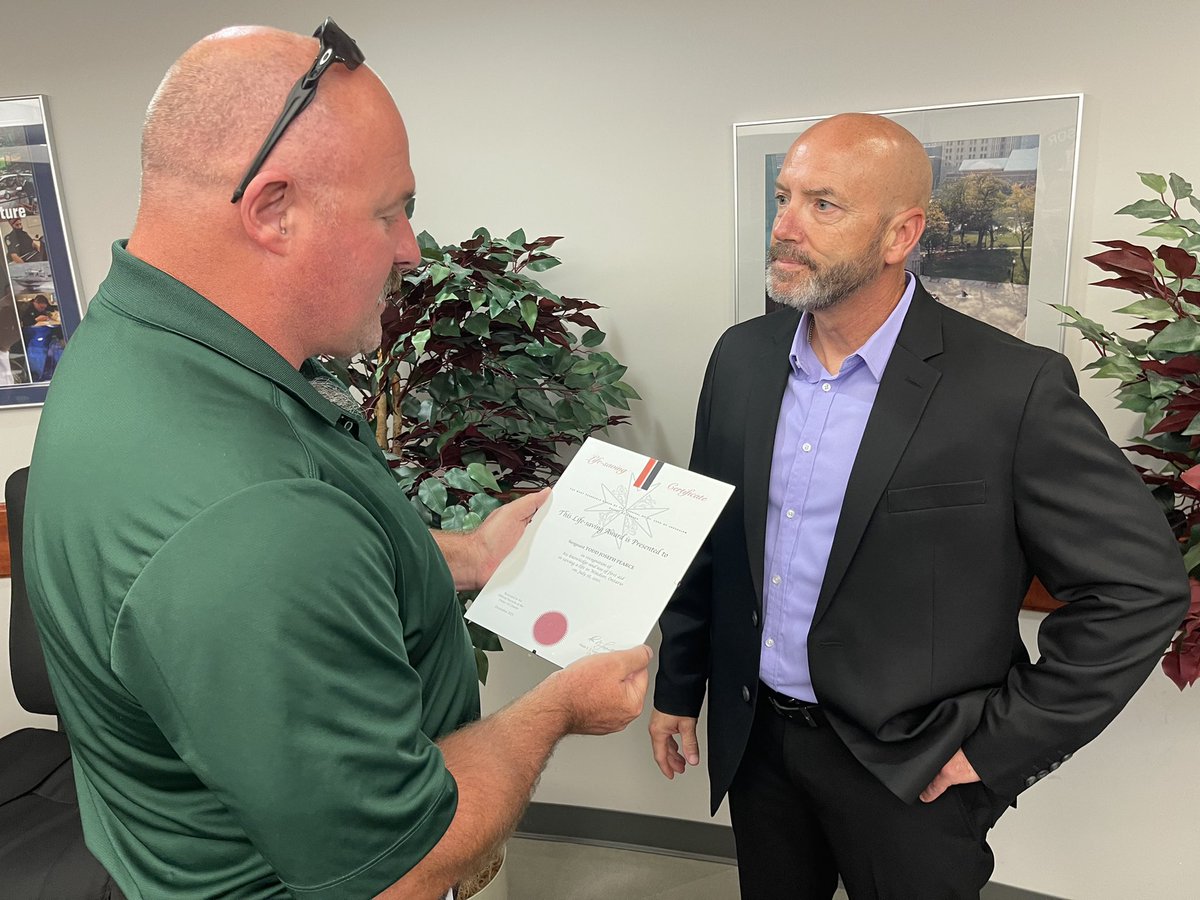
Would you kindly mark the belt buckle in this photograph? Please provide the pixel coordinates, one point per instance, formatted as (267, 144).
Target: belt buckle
(793, 711)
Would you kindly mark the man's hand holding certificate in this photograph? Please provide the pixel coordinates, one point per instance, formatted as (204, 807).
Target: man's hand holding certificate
(601, 558)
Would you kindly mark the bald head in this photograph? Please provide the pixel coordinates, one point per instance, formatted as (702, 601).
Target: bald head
(851, 199)
(302, 256)
(885, 157)
(219, 100)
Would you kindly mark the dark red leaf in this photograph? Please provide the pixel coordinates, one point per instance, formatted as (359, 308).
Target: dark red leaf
(1179, 459)
(1154, 327)
(1177, 422)
(1122, 261)
(1139, 284)
(1137, 249)
(1180, 365)
(1181, 263)
(1192, 477)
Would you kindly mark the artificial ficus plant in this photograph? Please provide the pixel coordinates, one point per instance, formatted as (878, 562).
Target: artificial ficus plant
(482, 380)
(1159, 374)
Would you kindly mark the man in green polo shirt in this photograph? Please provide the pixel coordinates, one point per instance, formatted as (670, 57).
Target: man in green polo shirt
(254, 643)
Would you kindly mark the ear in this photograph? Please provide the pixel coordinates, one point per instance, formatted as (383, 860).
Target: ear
(266, 209)
(906, 230)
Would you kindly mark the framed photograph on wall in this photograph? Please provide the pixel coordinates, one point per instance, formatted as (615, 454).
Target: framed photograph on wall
(39, 298)
(998, 235)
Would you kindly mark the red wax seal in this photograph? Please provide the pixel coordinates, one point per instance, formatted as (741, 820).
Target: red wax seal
(550, 628)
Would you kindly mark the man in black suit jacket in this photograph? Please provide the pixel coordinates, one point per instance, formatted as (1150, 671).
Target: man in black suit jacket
(968, 464)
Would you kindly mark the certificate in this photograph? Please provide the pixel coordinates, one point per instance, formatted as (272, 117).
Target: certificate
(601, 558)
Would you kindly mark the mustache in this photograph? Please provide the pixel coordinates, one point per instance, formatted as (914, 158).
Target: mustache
(791, 254)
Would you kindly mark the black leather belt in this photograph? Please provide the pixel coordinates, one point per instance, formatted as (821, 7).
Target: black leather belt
(792, 709)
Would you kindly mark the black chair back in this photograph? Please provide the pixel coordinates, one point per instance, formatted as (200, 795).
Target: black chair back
(28, 665)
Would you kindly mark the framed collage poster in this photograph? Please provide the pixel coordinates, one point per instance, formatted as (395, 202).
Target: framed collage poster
(39, 300)
(998, 234)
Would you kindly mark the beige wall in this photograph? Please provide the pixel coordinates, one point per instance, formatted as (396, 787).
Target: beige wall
(610, 123)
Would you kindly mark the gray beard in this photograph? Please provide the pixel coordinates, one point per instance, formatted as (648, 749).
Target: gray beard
(824, 288)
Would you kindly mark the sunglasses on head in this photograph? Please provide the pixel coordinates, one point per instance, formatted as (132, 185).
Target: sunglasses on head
(336, 46)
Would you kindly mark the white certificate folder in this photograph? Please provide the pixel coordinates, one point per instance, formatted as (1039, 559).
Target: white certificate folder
(601, 558)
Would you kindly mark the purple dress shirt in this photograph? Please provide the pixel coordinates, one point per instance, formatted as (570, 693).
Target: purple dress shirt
(821, 423)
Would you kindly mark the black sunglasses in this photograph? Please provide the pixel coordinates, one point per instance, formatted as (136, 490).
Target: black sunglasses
(336, 46)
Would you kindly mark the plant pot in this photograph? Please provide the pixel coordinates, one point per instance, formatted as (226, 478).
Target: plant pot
(490, 884)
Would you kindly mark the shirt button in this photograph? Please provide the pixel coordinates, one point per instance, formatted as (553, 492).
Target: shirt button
(745, 694)
(825, 386)
(806, 447)
(791, 514)
(770, 642)
(775, 579)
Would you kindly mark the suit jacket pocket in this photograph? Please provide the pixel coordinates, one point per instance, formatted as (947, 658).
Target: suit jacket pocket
(937, 496)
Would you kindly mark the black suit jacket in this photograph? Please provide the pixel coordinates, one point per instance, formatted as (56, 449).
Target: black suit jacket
(980, 467)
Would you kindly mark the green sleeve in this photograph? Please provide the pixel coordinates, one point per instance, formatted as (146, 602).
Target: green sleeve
(265, 640)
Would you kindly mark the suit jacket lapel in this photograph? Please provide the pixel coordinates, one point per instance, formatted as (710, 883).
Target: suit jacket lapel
(762, 415)
(903, 392)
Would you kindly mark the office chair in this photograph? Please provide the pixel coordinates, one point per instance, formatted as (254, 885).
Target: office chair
(42, 854)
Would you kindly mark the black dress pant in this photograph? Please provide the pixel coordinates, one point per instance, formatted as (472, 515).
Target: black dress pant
(805, 812)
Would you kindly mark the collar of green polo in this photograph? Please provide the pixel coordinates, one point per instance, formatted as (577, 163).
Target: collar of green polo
(140, 291)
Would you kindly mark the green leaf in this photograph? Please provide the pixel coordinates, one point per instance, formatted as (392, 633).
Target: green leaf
(517, 237)
(540, 350)
(529, 312)
(536, 403)
(426, 241)
(1195, 203)
(1152, 309)
(1165, 230)
(433, 494)
(1118, 366)
(471, 521)
(419, 340)
(482, 476)
(454, 518)
(1156, 183)
(593, 337)
(483, 505)
(460, 480)
(479, 325)
(438, 273)
(627, 390)
(541, 265)
(446, 328)
(1191, 559)
(1146, 209)
(1179, 187)
(1136, 402)
(483, 233)
(477, 299)
(481, 665)
(499, 300)
(1178, 337)
(522, 365)
(1193, 426)
(1161, 386)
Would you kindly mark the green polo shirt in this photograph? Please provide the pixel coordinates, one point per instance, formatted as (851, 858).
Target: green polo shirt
(252, 639)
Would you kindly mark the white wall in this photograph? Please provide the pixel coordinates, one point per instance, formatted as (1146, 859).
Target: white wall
(610, 124)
